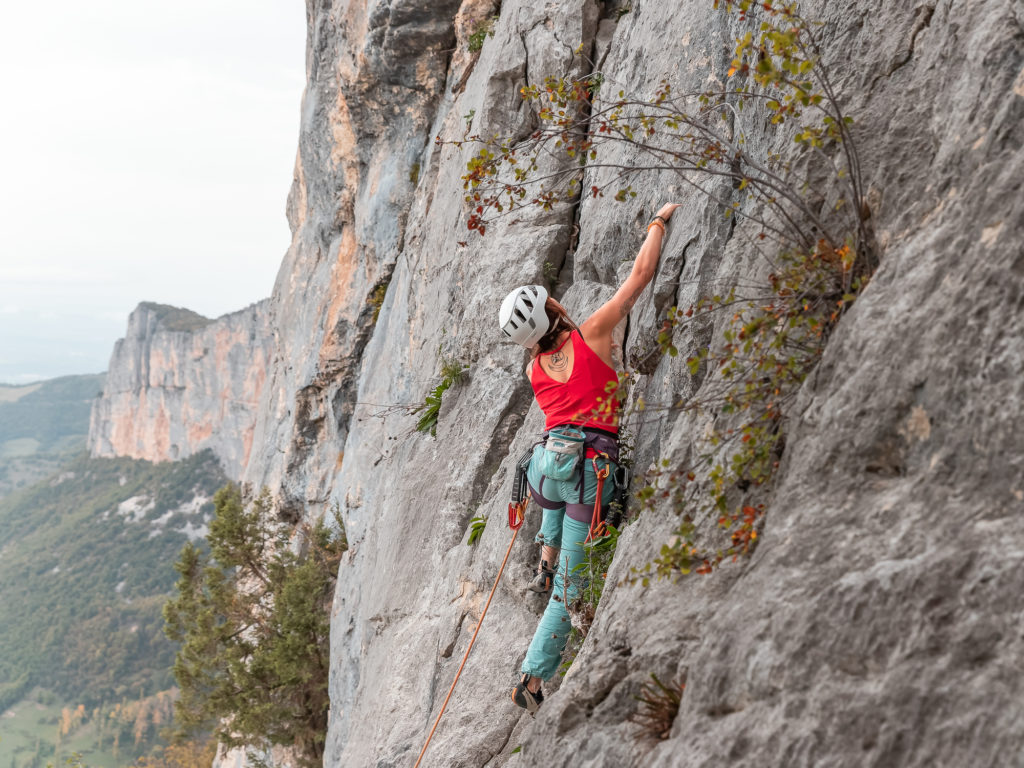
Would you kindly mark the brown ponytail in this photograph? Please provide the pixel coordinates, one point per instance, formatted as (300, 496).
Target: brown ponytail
(559, 322)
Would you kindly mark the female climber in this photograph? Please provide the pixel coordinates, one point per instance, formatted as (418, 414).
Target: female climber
(572, 375)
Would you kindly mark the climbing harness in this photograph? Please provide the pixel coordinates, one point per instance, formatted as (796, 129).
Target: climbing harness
(516, 515)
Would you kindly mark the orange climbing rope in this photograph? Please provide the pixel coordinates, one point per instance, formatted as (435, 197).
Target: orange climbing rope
(515, 522)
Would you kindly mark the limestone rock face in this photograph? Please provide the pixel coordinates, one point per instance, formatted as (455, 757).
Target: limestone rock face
(877, 622)
(375, 71)
(179, 383)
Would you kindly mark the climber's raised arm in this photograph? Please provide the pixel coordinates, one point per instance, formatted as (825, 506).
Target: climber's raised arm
(598, 327)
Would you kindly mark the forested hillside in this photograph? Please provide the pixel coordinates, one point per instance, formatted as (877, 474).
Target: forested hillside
(85, 566)
(42, 425)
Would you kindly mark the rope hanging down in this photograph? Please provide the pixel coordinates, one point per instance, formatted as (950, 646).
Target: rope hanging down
(515, 522)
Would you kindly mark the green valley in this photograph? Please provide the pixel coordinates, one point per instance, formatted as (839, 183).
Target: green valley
(42, 425)
(86, 560)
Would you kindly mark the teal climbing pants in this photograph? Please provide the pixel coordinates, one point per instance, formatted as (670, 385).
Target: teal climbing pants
(567, 508)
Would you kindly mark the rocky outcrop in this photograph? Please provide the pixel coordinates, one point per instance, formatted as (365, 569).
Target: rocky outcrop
(179, 383)
(375, 72)
(877, 622)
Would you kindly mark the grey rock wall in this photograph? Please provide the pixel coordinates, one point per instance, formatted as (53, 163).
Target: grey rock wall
(179, 383)
(878, 621)
(374, 74)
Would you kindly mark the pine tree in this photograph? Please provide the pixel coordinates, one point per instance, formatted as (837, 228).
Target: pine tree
(252, 618)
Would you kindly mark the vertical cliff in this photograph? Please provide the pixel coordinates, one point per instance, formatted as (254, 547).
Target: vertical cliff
(374, 76)
(179, 383)
(876, 623)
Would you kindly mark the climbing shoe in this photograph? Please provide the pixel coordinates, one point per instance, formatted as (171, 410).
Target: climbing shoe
(543, 579)
(525, 698)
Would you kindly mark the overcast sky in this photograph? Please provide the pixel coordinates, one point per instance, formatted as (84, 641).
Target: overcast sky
(146, 152)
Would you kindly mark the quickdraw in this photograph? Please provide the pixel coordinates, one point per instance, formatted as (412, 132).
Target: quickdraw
(516, 513)
(597, 526)
(520, 491)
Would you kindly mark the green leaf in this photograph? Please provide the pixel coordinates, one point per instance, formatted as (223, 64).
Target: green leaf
(476, 530)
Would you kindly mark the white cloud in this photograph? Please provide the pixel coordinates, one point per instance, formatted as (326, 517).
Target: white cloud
(146, 156)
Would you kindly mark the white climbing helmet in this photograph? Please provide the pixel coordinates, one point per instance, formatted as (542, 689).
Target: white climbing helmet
(522, 317)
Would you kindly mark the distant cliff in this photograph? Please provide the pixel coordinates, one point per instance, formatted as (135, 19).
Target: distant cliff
(179, 383)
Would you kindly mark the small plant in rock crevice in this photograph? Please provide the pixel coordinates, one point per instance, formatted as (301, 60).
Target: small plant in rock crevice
(452, 372)
(573, 643)
(659, 706)
(550, 275)
(590, 576)
(620, 12)
(813, 240)
(376, 299)
(476, 529)
(481, 31)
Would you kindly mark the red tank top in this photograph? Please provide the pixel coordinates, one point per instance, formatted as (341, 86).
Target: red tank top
(584, 399)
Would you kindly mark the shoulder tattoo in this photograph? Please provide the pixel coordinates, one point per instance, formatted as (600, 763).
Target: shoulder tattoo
(558, 361)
